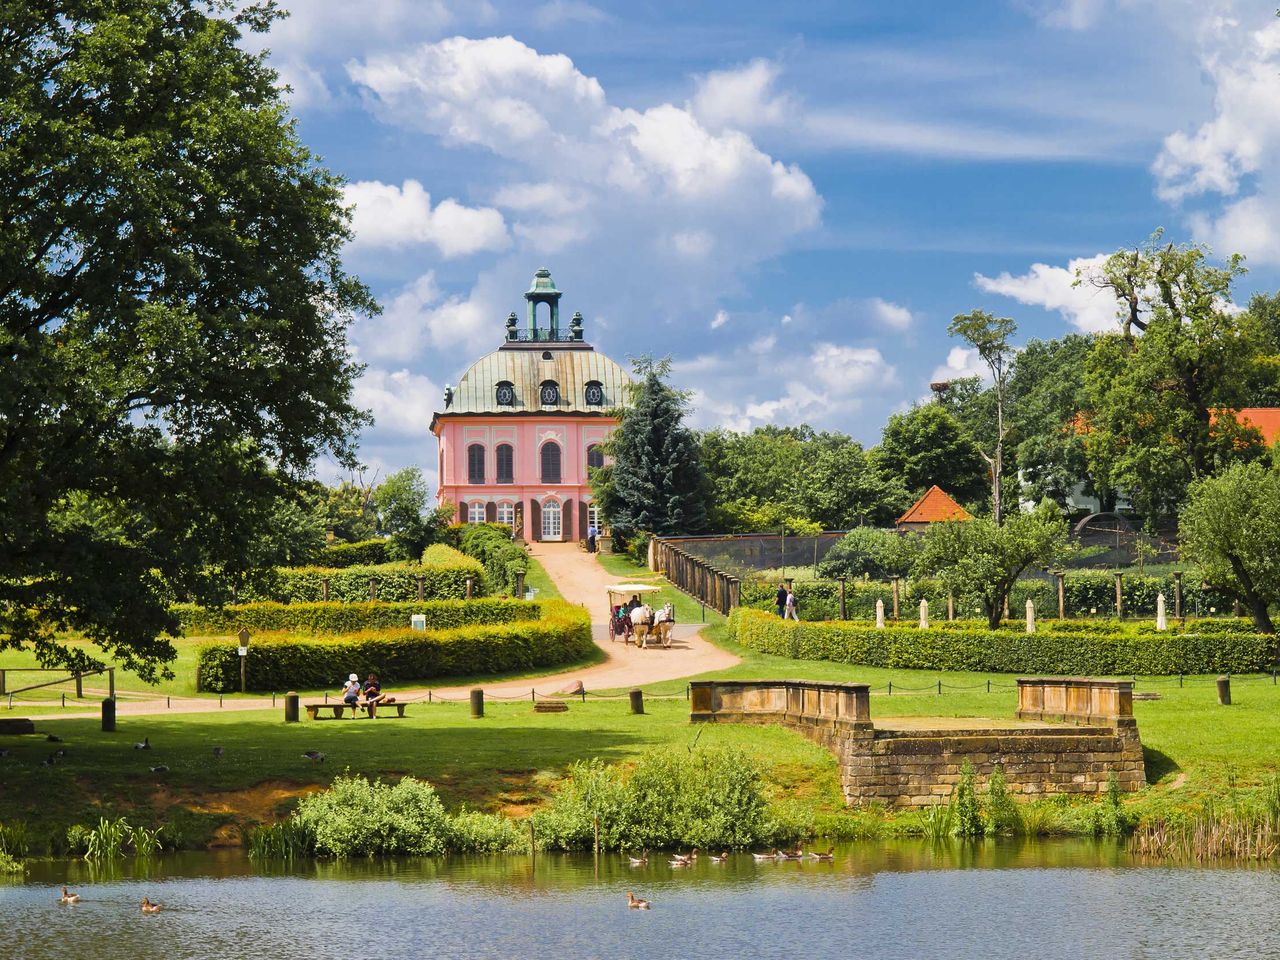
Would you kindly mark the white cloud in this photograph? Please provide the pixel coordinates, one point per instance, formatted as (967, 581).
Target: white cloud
(1071, 14)
(559, 12)
(1085, 306)
(742, 98)
(764, 383)
(962, 362)
(720, 319)
(668, 213)
(1234, 156)
(389, 216)
(420, 315)
(401, 402)
(890, 315)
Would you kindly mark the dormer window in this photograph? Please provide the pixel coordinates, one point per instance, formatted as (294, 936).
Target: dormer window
(506, 394)
(549, 393)
(595, 393)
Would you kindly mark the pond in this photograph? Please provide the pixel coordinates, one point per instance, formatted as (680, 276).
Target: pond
(905, 899)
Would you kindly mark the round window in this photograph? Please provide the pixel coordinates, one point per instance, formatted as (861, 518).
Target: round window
(550, 394)
(506, 395)
(595, 394)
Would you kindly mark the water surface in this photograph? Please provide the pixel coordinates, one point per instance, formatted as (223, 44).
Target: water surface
(994, 900)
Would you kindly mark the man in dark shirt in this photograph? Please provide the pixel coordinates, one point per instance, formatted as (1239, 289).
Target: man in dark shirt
(781, 599)
(372, 695)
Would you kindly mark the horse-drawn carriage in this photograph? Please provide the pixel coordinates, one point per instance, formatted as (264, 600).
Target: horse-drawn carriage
(631, 618)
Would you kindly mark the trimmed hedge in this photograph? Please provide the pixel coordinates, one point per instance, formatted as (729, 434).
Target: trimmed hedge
(491, 544)
(820, 599)
(365, 553)
(335, 617)
(284, 661)
(1082, 649)
(395, 582)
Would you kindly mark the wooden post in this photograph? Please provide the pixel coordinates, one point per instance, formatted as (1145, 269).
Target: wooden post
(1, 683)
(291, 707)
(471, 586)
(895, 598)
(951, 606)
(111, 683)
(519, 585)
(1062, 594)
(844, 614)
(108, 715)
(422, 587)
(244, 649)
(373, 589)
(1177, 594)
(1224, 691)
(324, 589)
(1119, 596)
(595, 829)
(477, 703)
(79, 687)
(637, 700)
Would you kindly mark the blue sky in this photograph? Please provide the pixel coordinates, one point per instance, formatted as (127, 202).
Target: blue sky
(792, 200)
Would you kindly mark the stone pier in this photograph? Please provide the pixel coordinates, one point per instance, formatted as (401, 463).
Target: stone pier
(1070, 735)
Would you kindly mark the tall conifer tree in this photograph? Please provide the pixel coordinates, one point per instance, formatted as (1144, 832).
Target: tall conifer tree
(655, 482)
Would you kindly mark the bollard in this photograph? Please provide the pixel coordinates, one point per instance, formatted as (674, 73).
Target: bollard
(1224, 691)
(108, 716)
(291, 707)
(519, 584)
(471, 586)
(477, 703)
(637, 700)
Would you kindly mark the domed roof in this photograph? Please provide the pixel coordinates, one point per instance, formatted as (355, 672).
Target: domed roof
(511, 379)
(570, 368)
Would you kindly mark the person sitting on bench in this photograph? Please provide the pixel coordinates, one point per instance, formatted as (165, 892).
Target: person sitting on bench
(373, 695)
(351, 693)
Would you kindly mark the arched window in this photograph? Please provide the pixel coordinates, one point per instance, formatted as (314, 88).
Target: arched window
(507, 514)
(475, 463)
(595, 457)
(506, 463)
(551, 520)
(549, 393)
(550, 458)
(475, 512)
(506, 393)
(594, 393)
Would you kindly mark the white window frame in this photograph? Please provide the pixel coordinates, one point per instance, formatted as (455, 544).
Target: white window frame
(507, 513)
(552, 521)
(475, 511)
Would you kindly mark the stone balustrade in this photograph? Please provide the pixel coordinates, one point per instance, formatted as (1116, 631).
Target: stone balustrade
(1080, 700)
(787, 701)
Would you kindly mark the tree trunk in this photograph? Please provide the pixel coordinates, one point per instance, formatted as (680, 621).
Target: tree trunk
(1257, 605)
(994, 610)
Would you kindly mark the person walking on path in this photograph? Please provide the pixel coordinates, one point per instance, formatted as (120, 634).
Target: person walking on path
(592, 533)
(781, 600)
(790, 607)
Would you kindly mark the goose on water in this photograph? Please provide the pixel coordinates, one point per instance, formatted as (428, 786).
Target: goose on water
(640, 861)
(149, 907)
(636, 903)
(68, 897)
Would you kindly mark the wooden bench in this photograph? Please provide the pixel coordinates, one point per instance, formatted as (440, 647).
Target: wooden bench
(338, 708)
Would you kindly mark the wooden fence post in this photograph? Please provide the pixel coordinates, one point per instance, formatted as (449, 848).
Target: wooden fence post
(1177, 594)
(1119, 596)
(1062, 594)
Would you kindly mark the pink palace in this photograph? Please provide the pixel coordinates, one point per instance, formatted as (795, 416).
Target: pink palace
(526, 422)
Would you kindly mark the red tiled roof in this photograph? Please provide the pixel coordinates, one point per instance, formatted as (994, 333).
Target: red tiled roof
(1266, 419)
(934, 507)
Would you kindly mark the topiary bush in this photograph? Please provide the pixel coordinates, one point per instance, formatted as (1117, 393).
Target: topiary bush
(281, 661)
(1055, 648)
(362, 554)
(335, 617)
(394, 582)
(491, 544)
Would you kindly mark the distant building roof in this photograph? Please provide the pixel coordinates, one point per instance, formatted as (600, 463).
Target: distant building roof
(934, 507)
(1266, 419)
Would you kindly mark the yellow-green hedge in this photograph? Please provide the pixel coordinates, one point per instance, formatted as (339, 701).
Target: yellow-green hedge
(337, 617)
(401, 656)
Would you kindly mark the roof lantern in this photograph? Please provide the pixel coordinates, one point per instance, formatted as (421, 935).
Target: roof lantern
(543, 290)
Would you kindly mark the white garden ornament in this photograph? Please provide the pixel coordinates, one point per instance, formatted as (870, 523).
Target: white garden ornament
(879, 614)
(924, 614)
(1161, 622)
(1031, 616)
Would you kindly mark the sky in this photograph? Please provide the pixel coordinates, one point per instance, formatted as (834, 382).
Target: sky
(790, 200)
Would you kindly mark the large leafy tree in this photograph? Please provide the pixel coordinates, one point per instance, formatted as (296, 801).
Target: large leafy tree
(1231, 528)
(977, 556)
(655, 483)
(404, 516)
(173, 316)
(927, 446)
(1156, 402)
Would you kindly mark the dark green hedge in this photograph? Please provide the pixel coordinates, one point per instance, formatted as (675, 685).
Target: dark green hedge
(335, 617)
(491, 544)
(1085, 649)
(363, 554)
(1085, 591)
(398, 657)
(396, 582)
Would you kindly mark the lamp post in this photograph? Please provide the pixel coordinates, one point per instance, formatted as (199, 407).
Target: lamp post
(244, 652)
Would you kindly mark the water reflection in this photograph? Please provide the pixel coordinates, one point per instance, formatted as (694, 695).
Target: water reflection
(903, 899)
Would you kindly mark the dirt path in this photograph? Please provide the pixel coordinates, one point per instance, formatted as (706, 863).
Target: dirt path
(581, 579)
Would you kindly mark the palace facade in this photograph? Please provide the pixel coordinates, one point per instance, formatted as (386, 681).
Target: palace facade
(525, 423)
